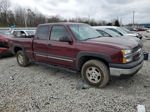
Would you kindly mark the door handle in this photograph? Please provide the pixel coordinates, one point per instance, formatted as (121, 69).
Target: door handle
(50, 45)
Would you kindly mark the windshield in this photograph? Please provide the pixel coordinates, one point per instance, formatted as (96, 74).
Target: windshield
(112, 33)
(84, 32)
(125, 29)
(122, 31)
(31, 32)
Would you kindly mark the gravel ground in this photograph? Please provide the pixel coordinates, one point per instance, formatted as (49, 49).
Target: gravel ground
(42, 89)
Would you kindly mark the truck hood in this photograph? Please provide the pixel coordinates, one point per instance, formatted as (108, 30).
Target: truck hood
(122, 43)
(130, 38)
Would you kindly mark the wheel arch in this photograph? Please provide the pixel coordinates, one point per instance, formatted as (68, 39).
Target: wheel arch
(17, 48)
(83, 57)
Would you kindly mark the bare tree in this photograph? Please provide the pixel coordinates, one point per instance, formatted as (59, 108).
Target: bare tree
(4, 7)
(27, 17)
(20, 14)
(0, 6)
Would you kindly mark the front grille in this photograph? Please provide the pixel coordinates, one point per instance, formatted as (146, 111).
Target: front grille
(135, 49)
(137, 53)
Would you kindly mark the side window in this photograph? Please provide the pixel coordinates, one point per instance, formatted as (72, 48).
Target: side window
(22, 33)
(57, 32)
(14, 33)
(18, 33)
(42, 32)
(104, 33)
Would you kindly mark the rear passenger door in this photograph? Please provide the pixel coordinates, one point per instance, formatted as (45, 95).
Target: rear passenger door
(40, 44)
(59, 52)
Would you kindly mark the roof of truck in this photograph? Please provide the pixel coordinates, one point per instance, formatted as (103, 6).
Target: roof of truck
(61, 23)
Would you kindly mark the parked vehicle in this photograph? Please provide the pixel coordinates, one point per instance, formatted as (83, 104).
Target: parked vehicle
(147, 34)
(81, 48)
(6, 33)
(110, 33)
(121, 31)
(4, 40)
(19, 33)
(141, 29)
(132, 32)
(132, 29)
(148, 30)
(128, 31)
(107, 33)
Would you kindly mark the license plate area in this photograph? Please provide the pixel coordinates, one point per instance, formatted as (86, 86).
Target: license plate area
(146, 55)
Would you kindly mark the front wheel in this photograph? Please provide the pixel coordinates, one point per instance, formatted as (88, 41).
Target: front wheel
(22, 59)
(96, 73)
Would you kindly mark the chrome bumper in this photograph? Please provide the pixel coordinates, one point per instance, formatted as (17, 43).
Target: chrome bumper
(119, 71)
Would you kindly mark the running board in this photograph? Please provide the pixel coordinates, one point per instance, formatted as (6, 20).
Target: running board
(57, 67)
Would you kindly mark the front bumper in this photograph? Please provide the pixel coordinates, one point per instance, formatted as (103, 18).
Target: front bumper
(139, 36)
(126, 69)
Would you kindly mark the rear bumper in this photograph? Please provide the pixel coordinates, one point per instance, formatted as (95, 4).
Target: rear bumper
(126, 69)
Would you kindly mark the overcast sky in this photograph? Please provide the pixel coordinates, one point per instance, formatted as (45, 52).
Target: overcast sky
(97, 9)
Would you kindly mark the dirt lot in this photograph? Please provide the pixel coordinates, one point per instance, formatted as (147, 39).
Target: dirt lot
(41, 89)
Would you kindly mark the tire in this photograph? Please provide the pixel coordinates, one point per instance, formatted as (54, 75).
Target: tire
(95, 73)
(22, 59)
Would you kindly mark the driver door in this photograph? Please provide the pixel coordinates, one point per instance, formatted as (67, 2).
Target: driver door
(59, 52)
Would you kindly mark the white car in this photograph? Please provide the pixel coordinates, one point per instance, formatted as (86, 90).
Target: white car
(18, 33)
(147, 34)
(110, 33)
(121, 31)
(148, 30)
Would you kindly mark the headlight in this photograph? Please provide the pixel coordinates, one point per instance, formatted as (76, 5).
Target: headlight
(127, 56)
(126, 52)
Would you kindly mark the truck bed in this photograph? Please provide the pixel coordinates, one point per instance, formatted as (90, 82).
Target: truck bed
(25, 43)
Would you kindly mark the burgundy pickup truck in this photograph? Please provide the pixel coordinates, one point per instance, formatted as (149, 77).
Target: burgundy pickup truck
(81, 48)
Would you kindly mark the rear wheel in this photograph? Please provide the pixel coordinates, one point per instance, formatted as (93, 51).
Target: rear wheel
(96, 73)
(22, 59)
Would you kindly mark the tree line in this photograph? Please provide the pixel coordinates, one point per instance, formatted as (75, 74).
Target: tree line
(26, 17)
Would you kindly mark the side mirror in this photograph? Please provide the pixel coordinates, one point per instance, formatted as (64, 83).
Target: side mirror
(65, 39)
